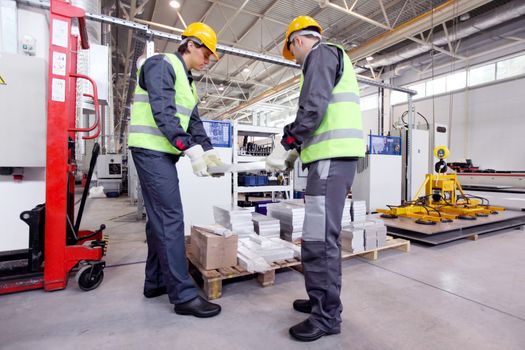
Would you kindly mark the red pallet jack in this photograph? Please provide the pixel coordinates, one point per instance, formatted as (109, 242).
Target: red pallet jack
(56, 244)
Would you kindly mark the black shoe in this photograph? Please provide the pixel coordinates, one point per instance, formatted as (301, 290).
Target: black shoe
(155, 292)
(198, 307)
(307, 331)
(303, 305)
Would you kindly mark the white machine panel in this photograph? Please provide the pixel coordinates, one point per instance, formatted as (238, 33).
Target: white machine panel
(419, 148)
(109, 166)
(16, 197)
(378, 182)
(24, 104)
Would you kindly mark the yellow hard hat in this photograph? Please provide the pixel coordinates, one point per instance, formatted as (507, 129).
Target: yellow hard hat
(204, 33)
(299, 23)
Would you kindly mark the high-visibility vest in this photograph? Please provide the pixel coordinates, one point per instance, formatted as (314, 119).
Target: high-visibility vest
(340, 133)
(143, 131)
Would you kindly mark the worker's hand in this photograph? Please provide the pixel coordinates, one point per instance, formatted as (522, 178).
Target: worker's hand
(290, 159)
(198, 163)
(276, 161)
(213, 159)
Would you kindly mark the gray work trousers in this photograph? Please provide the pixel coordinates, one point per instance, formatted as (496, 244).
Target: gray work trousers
(166, 264)
(328, 184)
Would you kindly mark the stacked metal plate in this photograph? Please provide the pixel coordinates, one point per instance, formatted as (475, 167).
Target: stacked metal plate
(347, 218)
(353, 239)
(363, 235)
(266, 226)
(267, 249)
(291, 217)
(238, 220)
(255, 253)
(358, 211)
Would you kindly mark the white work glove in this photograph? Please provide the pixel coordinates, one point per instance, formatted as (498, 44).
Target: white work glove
(290, 159)
(198, 163)
(276, 161)
(212, 159)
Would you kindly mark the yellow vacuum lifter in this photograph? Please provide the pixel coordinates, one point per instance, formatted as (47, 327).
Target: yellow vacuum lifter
(443, 201)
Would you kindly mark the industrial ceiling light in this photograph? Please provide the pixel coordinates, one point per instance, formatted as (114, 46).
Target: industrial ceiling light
(246, 70)
(221, 87)
(175, 4)
(370, 58)
(203, 101)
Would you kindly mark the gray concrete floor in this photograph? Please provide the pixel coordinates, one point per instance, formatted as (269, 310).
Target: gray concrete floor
(462, 295)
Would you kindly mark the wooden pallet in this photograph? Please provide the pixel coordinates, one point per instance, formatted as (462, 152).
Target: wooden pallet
(212, 279)
(391, 243)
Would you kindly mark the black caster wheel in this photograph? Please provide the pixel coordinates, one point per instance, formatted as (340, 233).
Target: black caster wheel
(89, 277)
(481, 215)
(389, 216)
(425, 222)
(494, 212)
(466, 217)
(446, 220)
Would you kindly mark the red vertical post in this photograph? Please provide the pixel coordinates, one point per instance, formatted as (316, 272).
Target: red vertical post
(58, 123)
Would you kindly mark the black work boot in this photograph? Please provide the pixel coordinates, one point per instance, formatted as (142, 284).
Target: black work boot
(198, 307)
(155, 292)
(308, 331)
(302, 305)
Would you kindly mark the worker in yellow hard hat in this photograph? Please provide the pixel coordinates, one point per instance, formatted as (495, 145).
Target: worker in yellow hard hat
(164, 126)
(327, 134)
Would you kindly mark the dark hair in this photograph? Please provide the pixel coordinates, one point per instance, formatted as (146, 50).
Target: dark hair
(183, 48)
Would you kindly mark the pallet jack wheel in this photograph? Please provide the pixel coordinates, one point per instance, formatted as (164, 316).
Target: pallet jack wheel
(494, 212)
(425, 222)
(446, 220)
(466, 217)
(389, 216)
(90, 276)
(481, 215)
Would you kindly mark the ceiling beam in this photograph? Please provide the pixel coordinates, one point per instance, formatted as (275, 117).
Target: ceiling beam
(423, 22)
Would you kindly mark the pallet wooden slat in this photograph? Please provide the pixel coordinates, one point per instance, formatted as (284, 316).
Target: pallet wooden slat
(212, 279)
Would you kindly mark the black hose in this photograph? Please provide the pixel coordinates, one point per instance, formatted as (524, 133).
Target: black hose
(421, 115)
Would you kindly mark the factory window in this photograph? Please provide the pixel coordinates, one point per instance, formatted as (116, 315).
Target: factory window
(420, 89)
(436, 86)
(481, 75)
(369, 102)
(511, 67)
(457, 81)
(398, 97)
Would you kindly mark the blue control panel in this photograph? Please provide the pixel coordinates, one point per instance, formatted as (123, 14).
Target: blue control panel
(219, 132)
(385, 145)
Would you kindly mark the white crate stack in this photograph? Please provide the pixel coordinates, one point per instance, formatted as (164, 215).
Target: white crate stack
(238, 220)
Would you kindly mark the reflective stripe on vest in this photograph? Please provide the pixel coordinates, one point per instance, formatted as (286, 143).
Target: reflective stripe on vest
(340, 133)
(143, 131)
(180, 108)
